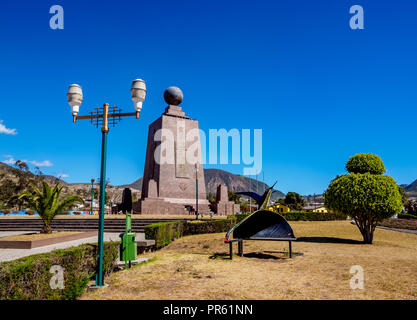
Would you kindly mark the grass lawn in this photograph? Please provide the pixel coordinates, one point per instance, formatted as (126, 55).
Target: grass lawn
(197, 267)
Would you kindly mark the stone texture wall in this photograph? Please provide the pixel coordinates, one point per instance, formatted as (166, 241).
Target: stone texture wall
(169, 184)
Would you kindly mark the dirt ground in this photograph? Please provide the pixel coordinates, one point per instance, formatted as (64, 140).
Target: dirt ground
(198, 267)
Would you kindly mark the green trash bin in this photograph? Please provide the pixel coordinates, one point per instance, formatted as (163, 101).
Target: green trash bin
(128, 245)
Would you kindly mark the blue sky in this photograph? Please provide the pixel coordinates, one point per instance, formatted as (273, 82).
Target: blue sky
(320, 91)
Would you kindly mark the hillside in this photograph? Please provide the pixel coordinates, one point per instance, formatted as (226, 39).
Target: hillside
(81, 189)
(412, 187)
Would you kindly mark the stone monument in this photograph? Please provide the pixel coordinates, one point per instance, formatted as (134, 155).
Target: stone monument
(223, 206)
(169, 178)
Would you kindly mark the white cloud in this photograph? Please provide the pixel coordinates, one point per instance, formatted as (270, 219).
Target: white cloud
(10, 160)
(5, 130)
(45, 163)
(63, 175)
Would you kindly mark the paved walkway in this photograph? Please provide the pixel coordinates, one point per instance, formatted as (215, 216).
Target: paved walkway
(399, 230)
(12, 254)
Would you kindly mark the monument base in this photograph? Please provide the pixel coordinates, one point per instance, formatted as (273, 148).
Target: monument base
(159, 206)
(226, 207)
(223, 206)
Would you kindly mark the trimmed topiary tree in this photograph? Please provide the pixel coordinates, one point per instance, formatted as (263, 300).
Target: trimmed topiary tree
(364, 194)
(365, 163)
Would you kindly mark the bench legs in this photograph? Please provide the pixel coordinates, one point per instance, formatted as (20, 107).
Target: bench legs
(239, 248)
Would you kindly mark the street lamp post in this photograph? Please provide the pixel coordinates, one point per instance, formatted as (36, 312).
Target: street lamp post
(92, 194)
(196, 190)
(102, 116)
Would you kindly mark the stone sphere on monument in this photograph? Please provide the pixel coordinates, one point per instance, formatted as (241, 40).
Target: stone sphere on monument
(173, 96)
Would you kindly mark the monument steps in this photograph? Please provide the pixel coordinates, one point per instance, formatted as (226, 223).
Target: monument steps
(87, 224)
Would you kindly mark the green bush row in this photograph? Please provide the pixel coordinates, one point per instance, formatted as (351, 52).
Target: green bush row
(211, 226)
(312, 216)
(29, 278)
(164, 232)
(406, 216)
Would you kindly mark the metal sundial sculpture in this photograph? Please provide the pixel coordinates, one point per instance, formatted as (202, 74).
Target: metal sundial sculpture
(263, 224)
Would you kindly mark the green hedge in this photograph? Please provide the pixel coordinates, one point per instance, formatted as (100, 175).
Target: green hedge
(406, 216)
(312, 216)
(239, 217)
(163, 232)
(28, 278)
(211, 226)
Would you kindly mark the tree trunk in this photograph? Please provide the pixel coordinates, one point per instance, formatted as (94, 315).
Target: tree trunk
(368, 234)
(366, 227)
(46, 229)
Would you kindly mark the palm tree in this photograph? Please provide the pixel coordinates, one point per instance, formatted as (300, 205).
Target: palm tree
(47, 204)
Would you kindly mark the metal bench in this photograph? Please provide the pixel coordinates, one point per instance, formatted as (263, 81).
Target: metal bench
(240, 244)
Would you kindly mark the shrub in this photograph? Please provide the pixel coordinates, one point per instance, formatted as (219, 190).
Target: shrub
(312, 216)
(29, 278)
(410, 224)
(163, 232)
(239, 217)
(365, 194)
(365, 163)
(406, 216)
(213, 226)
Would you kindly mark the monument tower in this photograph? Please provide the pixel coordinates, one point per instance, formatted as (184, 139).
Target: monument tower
(169, 178)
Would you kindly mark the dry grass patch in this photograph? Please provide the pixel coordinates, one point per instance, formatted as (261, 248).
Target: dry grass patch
(197, 267)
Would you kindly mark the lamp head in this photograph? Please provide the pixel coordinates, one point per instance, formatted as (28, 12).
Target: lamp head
(75, 98)
(138, 92)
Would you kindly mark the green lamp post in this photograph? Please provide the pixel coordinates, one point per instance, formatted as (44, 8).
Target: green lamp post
(92, 194)
(196, 190)
(102, 116)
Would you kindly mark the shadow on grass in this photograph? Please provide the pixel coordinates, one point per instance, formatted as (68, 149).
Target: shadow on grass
(256, 255)
(328, 240)
(222, 255)
(261, 255)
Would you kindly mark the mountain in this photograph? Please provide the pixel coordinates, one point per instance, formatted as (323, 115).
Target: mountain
(8, 171)
(83, 190)
(134, 185)
(234, 182)
(411, 189)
